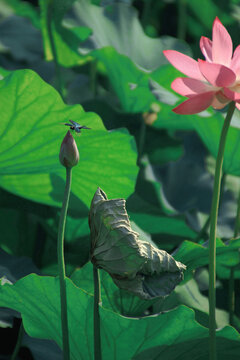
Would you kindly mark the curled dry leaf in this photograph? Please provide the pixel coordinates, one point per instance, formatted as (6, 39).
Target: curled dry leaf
(133, 264)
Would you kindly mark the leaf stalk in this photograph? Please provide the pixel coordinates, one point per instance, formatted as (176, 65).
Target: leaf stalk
(61, 265)
(97, 297)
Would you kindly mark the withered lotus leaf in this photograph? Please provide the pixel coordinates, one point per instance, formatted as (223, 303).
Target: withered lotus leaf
(134, 265)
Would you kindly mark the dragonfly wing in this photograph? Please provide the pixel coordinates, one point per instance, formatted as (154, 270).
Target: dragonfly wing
(75, 123)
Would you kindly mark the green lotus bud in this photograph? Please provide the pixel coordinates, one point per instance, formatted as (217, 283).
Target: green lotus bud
(135, 265)
(69, 155)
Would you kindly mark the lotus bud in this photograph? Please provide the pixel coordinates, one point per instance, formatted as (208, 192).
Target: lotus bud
(69, 155)
(134, 265)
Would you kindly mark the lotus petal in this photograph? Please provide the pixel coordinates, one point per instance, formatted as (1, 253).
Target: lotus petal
(206, 48)
(216, 74)
(191, 87)
(195, 104)
(184, 63)
(222, 47)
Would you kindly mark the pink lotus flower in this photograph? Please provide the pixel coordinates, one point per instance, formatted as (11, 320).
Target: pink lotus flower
(215, 81)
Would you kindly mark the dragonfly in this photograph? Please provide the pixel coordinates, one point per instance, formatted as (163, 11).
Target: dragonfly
(76, 126)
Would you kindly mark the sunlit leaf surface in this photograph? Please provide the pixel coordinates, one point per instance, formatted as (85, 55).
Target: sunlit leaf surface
(32, 128)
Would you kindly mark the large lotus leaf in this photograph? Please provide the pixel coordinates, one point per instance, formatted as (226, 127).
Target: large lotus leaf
(66, 38)
(122, 338)
(31, 134)
(196, 255)
(135, 265)
(118, 26)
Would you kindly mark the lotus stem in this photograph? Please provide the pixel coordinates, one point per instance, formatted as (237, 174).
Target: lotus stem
(213, 231)
(97, 297)
(61, 266)
(231, 296)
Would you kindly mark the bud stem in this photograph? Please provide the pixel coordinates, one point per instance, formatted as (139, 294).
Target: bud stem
(97, 296)
(61, 266)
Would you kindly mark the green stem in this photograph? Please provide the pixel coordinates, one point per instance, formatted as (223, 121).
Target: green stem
(19, 342)
(213, 228)
(142, 137)
(97, 297)
(182, 19)
(61, 266)
(58, 74)
(237, 220)
(231, 296)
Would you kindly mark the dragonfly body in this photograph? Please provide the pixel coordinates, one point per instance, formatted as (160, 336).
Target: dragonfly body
(75, 126)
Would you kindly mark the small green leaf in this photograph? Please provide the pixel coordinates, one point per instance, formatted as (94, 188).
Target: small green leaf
(196, 255)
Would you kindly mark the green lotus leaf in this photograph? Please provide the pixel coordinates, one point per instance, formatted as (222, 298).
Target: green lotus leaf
(32, 129)
(166, 336)
(196, 255)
